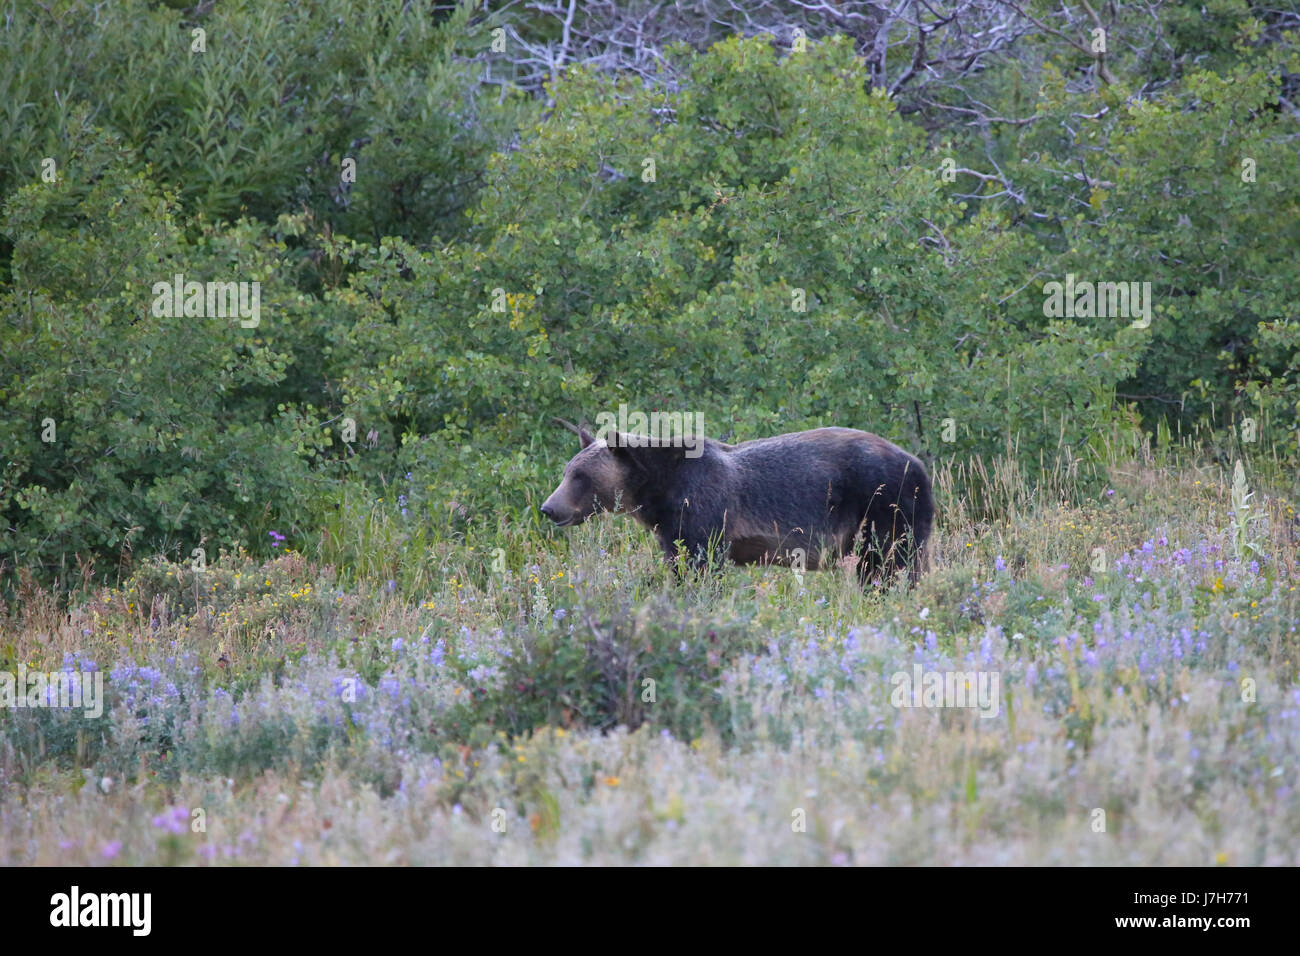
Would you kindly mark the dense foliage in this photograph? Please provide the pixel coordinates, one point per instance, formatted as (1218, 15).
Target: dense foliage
(292, 290)
(761, 236)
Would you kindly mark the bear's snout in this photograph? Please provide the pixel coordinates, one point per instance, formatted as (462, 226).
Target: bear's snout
(559, 511)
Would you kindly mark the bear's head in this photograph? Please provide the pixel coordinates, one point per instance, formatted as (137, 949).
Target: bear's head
(609, 475)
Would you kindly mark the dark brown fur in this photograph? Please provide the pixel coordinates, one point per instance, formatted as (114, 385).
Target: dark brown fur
(828, 492)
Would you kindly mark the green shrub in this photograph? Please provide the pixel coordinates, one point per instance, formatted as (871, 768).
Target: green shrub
(127, 431)
(260, 121)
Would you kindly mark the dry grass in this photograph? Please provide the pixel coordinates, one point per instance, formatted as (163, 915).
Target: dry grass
(1149, 713)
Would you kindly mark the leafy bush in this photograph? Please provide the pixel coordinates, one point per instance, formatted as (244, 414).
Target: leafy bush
(126, 430)
(602, 671)
(260, 120)
(790, 249)
(764, 241)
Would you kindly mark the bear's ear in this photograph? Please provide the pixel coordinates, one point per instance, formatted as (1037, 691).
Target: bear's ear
(644, 453)
(584, 437)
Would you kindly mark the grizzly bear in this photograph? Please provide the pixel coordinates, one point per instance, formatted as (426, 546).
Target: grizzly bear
(804, 499)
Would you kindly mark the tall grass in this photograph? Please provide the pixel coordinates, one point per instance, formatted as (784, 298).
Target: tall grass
(414, 680)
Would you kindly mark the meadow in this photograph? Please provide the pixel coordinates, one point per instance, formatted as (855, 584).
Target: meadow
(560, 699)
(293, 292)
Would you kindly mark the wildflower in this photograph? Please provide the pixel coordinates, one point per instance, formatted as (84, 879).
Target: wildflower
(176, 820)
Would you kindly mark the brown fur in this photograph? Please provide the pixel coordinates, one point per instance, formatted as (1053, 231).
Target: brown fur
(828, 492)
